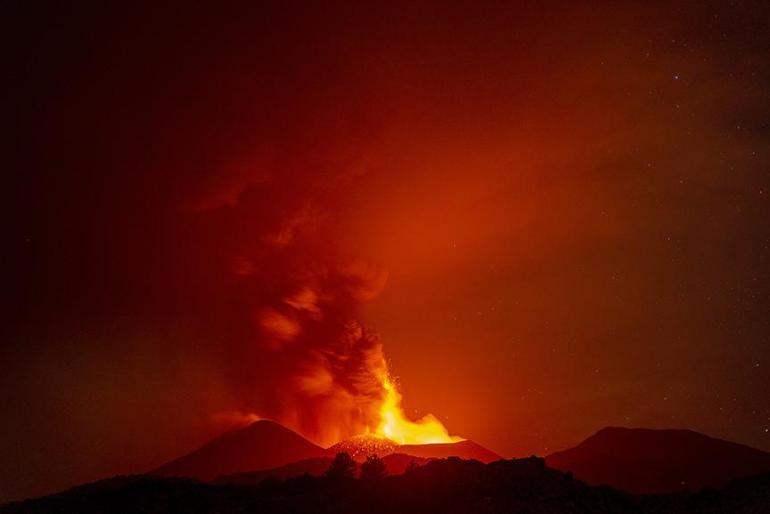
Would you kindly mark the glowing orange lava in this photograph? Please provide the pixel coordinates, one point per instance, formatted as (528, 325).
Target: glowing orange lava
(395, 426)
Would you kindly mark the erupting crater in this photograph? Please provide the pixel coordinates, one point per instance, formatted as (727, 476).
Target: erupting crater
(395, 430)
(362, 446)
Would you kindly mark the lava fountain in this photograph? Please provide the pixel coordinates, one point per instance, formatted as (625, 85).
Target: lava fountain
(395, 426)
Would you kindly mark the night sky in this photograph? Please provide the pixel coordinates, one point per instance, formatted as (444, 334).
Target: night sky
(547, 218)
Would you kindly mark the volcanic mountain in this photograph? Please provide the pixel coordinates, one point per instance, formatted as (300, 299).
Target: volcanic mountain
(261, 445)
(266, 448)
(647, 461)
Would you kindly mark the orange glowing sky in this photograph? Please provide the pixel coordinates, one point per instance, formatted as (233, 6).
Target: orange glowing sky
(551, 218)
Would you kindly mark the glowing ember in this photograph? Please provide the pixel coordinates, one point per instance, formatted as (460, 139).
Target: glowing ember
(362, 446)
(395, 426)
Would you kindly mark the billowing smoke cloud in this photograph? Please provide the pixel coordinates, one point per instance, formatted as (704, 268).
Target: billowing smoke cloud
(296, 350)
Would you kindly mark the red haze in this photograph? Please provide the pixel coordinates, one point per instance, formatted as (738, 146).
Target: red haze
(543, 218)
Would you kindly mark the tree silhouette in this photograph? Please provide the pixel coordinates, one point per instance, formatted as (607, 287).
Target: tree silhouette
(373, 468)
(343, 466)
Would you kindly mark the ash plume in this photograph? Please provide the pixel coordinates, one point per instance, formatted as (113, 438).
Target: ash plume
(296, 350)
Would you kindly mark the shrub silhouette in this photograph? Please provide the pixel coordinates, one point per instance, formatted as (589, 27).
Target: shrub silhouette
(343, 466)
(373, 468)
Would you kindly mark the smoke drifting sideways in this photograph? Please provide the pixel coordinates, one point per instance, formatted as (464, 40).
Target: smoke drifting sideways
(296, 349)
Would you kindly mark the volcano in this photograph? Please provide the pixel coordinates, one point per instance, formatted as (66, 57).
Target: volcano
(261, 445)
(266, 448)
(397, 458)
(646, 461)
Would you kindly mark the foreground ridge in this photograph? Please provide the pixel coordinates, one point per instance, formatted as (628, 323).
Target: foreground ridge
(439, 486)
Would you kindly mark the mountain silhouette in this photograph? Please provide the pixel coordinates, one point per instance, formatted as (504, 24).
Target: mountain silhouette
(647, 461)
(261, 445)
